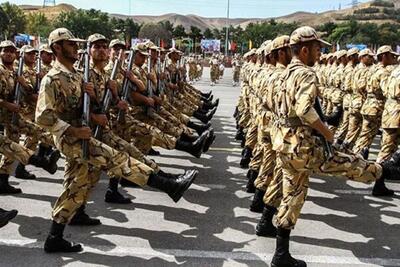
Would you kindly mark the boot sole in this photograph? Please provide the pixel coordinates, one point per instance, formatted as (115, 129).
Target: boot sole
(179, 194)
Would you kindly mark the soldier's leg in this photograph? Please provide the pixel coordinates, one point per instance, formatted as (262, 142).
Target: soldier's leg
(251, 141)
(355, 121)
(388, 144)
(344, 124)
(369, 129)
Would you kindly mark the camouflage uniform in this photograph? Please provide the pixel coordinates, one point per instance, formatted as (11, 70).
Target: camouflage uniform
(373, 107)
(299, 152)
(59, 107)
(390, 117)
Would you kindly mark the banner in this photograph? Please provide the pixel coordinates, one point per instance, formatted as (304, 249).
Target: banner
(210, 45)
(136, 41)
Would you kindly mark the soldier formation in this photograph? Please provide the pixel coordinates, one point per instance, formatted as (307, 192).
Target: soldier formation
(103, 108)
(302, 113)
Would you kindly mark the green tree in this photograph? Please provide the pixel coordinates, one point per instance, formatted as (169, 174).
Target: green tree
(83, 23)
(208, 34)
(179, 32)
(154, 32)
(15, 20)
(38, 24)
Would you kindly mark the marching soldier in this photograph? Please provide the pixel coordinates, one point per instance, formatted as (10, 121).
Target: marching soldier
(300, 151)
(59, 111)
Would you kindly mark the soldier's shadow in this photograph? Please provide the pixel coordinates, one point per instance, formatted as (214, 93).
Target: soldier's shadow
(367, 216)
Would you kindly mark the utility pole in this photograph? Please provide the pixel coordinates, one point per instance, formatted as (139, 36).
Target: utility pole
(227, 30)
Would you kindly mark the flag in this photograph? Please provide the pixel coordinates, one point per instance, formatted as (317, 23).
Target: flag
(337, 46)
(233, 46)
(173, 43)
(162, 43)
(250, 44)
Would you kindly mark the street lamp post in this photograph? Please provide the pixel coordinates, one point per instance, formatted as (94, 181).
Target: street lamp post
(227, 30)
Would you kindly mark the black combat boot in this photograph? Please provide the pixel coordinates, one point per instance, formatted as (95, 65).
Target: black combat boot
(265, 226)
(204, 118)
(5, 187)
(188, 138)
(6, 216)
(42, 150)
(257, 205)
(199, 127)
(193, 148)
(210, 140)
(56, 243)
(236, 112)
(113, 195)
(206, 99)
(206, 94)
(395, 159)
(365, 153)
(246, 158)
(126, 183)
(22, 173)
(81, 218)
(210, 105)
(153, 152)
(252, 174)
(335, 117)
(243, 142)
(48, 164)
(175, 188)
(239, 134)
(282, 257)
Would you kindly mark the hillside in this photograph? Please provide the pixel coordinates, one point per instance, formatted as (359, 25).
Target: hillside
(362, 13)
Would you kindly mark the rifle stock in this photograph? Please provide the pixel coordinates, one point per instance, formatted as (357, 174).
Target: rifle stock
(18, 89)
(86, 102)
(126, 86)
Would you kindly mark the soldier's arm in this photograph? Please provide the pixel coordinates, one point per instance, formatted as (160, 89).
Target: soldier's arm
(46, 115)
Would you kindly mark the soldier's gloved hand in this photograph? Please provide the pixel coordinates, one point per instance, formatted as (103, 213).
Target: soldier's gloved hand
(122, 105)
(34, 97)
(150, 101)
(41, 74)
(157, 100)
(79, 132)
(99, 119)
(89, 88)
(12, 107)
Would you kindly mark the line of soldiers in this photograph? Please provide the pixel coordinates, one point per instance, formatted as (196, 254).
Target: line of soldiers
(297, 116)
(216, 69)
(103, 110)
(195, 68)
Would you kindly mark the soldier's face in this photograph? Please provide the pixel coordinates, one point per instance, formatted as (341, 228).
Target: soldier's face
(99, 51)
(47, 58)
(68, 49)
(314, 53)
(115, 52)
(30, 57)
(139, 59)
(8, 55)
(154, 54)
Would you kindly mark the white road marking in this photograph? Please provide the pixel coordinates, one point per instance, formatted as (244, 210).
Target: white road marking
(238, 255)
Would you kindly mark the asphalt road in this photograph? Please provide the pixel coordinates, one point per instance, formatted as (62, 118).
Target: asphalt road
(341, 223)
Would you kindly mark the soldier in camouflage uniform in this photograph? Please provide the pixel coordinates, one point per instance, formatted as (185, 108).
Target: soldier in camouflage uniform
(300, 152)
(236, 65)
(59, 112)
(374, 103)
(348, 74)
(360, 78)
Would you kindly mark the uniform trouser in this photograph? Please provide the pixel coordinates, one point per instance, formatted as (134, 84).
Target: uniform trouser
(369, 129)
(344, 124)
(353, 131)
(165, 114)
(34, 134)
(182, 117)
(251, 135)
(267, 168)
(13, 151)
(143, 134)
(263, 135)
(236, 76)
(298, 166)
(77, 181)
(157, 121)
(273, 195)
(114, 141)
(389, 144)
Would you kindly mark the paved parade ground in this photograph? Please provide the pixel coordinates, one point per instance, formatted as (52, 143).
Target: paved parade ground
(341, 223)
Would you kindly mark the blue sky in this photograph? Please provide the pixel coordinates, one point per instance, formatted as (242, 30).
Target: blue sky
(207, 8)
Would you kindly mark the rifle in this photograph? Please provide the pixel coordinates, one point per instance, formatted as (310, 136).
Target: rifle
(18, 89)
(159, 71)
(149, 110)
(86, 101)
(38, 71)
(327, 146)
(126, 87)
(98, 132)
